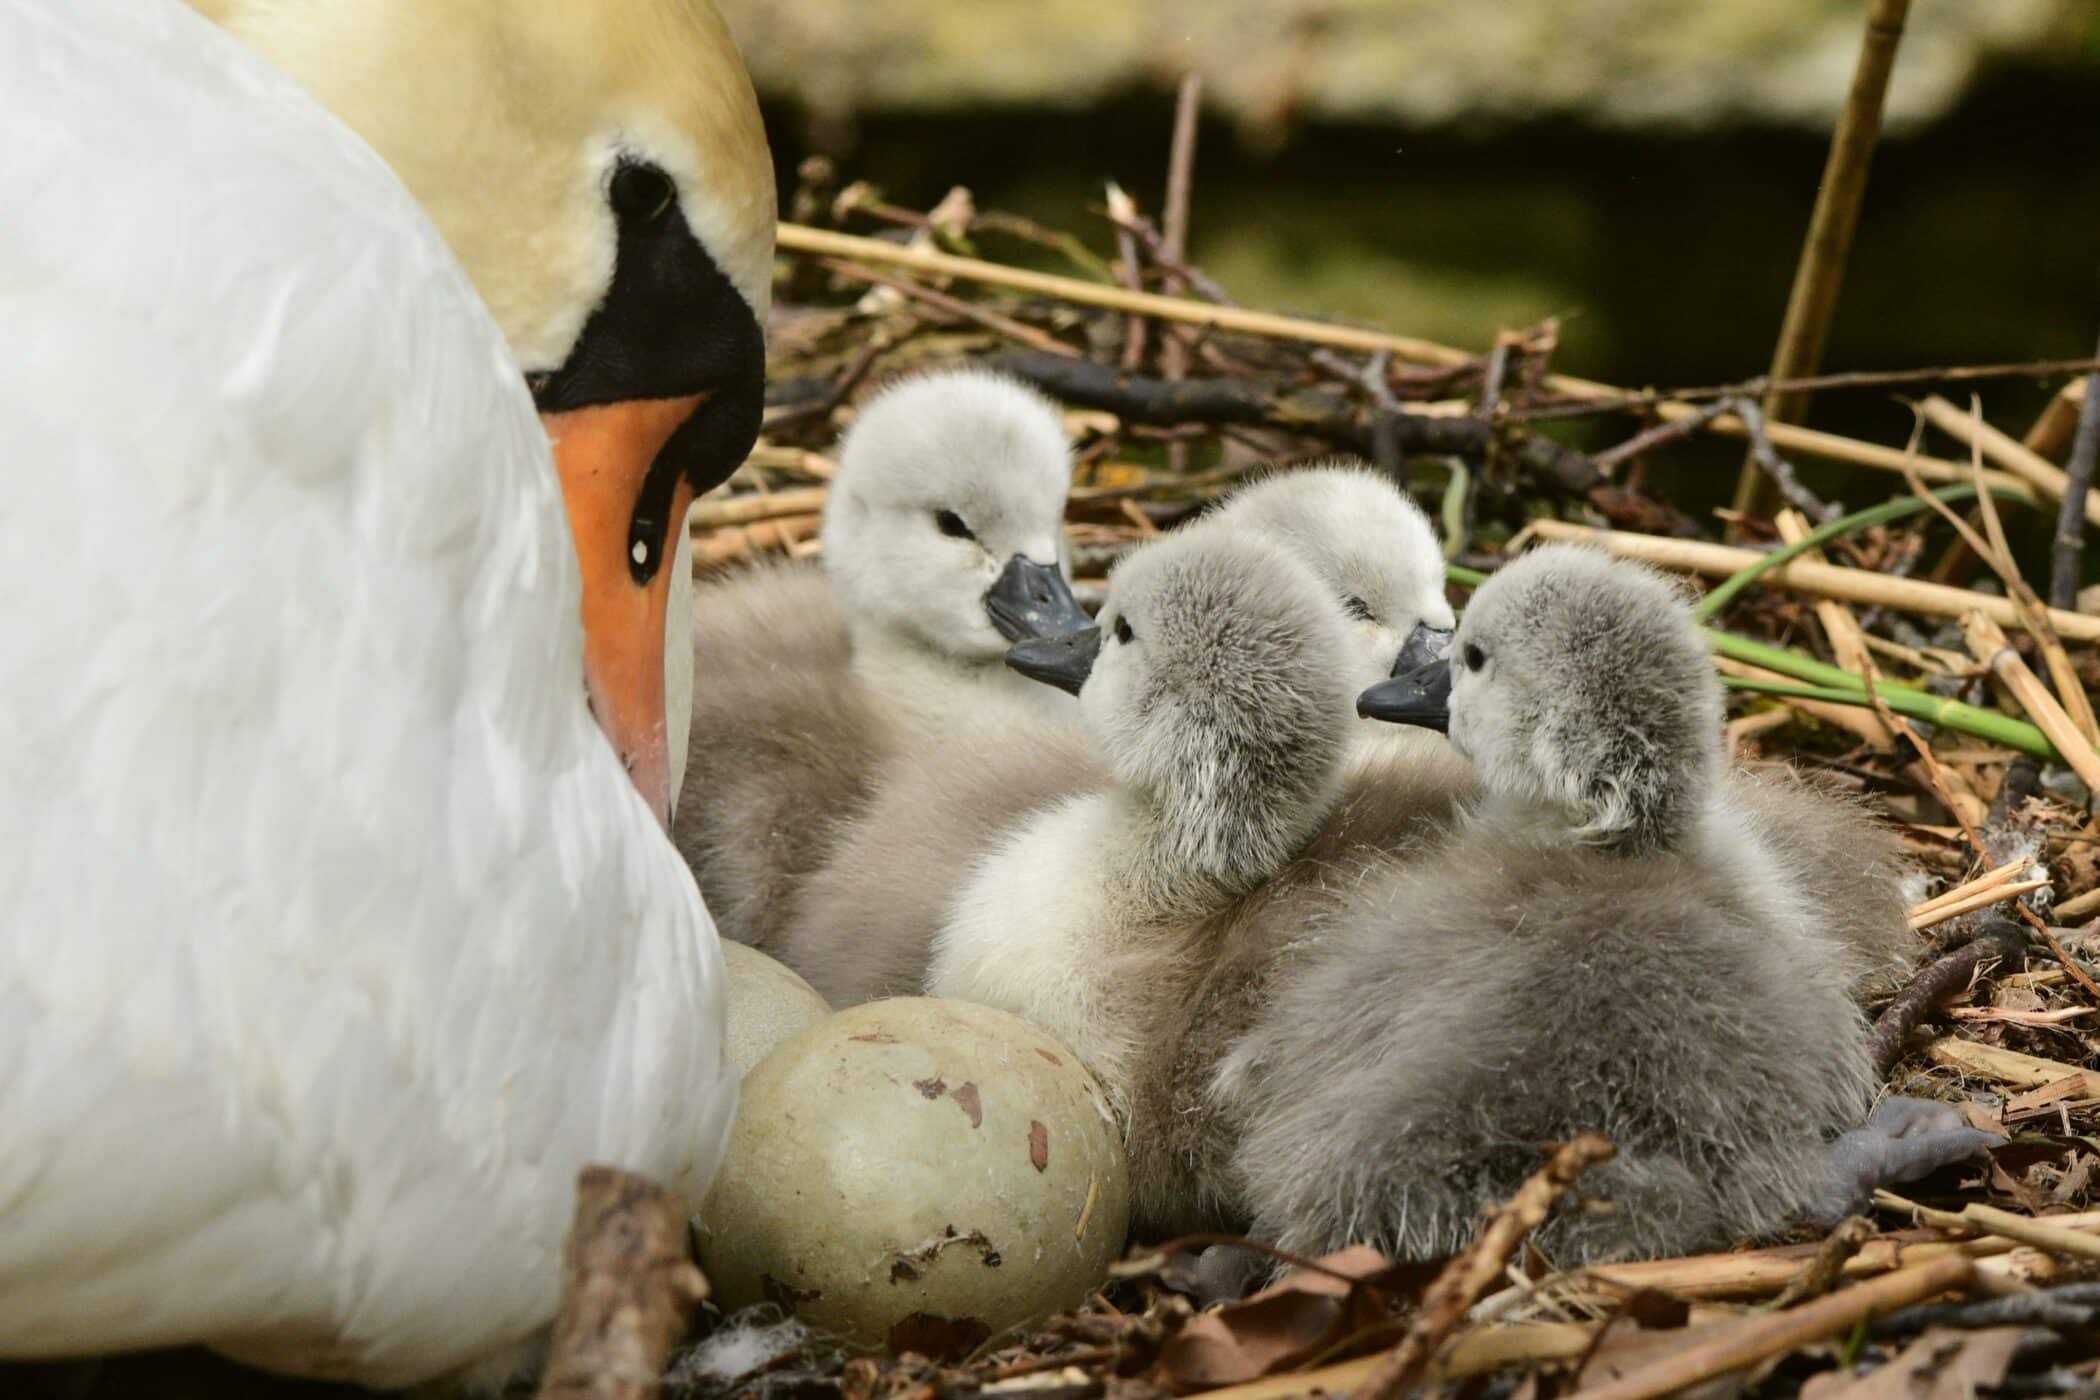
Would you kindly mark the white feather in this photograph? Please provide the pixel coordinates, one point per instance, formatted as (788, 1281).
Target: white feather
(333, 940)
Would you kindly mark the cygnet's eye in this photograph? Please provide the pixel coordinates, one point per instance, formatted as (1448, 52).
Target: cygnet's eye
(1123, 630)
(1474, 657)
(641, 191)
(1358, 608)
(951, 525)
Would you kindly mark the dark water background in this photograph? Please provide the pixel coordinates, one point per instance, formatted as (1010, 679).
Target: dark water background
(1667, 256)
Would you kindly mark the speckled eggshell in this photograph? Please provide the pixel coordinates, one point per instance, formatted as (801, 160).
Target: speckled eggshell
(918, 1167)
(767, 1004)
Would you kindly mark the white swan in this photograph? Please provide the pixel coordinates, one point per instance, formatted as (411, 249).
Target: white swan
(333, 938)
(515, 125)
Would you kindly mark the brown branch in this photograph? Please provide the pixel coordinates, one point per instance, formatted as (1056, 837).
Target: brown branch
(2068, 556)
(1465, 1278)
(2000, 941)
(1811, 304)
(1662, 434)
(1775, 1334)
(1777, 468)
(627, 1290)
(1569, 406)
(954, 306)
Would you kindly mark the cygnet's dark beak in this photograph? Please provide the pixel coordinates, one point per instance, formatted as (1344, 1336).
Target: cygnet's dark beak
(1423, 645)
(1064, 662)
(1421, 697)
(1031, 600)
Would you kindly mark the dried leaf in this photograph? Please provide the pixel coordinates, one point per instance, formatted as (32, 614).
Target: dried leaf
(1940, 1365)
(1276, 1329)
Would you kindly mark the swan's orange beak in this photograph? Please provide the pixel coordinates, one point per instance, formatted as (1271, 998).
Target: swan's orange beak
(604, 454)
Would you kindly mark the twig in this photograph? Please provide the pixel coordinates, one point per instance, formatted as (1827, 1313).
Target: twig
(1465, 1278)
(2069, 549)
(2025, 1229)
(1848, 640)
(1648, 439)
(1754, 1339)
(1777, 468)
(1822, 580)
(800, 238)
(1122, 209)
(2008, 1066)
(1181, 173)
(1827, 1269)
(1982, 899)
(1990, 879)
(2000, 941)
(2074, 1306)
(1760, 385)
(1812, 303)
(627, 1289)
(716, 511)
(2008, 452)
(954, 306)
(1989, 644)
(2060, 417)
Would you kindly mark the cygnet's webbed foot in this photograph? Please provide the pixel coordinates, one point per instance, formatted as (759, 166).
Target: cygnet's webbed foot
(1904, 1139)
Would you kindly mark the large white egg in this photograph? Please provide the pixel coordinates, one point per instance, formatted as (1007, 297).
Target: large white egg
(767, 1003)
(917, 1164)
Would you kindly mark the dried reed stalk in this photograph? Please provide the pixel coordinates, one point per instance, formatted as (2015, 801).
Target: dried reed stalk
(1988, 643)
(1817, 580)
(1848, 640)
(2008, 452)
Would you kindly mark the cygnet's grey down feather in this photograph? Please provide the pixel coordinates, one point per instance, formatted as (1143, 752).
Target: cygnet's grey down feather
(1219, 707)
(1602, 944)
(807, 678)
(1395, 800)
(863, 923)
(784, 743)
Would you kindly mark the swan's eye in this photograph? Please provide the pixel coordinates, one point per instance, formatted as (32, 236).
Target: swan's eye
(1357, 608)
(641, 191)
(1123, 630)
(951, 525)
(1474, 657)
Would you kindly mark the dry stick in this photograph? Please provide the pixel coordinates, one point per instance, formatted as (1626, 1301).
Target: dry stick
(1849, 379)
(1982, 899)
(1122, 211)
(1827, 1269)
(1777, 469)
(2069, 550)
(2025, 1229)
(715, 511)
(2000, 941)
(2008, 1066)
(726, 546)
(1648, 439)
(1757, 1338)
(1817, 580)
(2059, 418)
(1812, 303)
(800, 238)
(955, 306)
(1863, 724)
(1998, 555)
(1181, 174)
(1989, 644)
(1848, 640)
(627, 1290)
(2008, 452)
(1988, 880)
(1465, 1278)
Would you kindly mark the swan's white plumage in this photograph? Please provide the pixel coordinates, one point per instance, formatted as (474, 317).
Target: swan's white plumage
(333, 939)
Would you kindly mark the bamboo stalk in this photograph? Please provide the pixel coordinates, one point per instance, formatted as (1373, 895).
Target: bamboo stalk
(732, 543)
(1847, 714)
(1982, 899)
(2008, 452)
(713, 512)
(1989, 879)
(2008, 1066)
(1812, 303)
(1848, 640)
(1821, 580)
(1988, 642)
(800, 238)
(1774, 1334)
(2057, 421)
(1805, 543)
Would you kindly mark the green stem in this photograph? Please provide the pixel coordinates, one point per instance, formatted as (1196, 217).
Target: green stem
(1949, 714)
(1841, 687)
(1724, 592)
